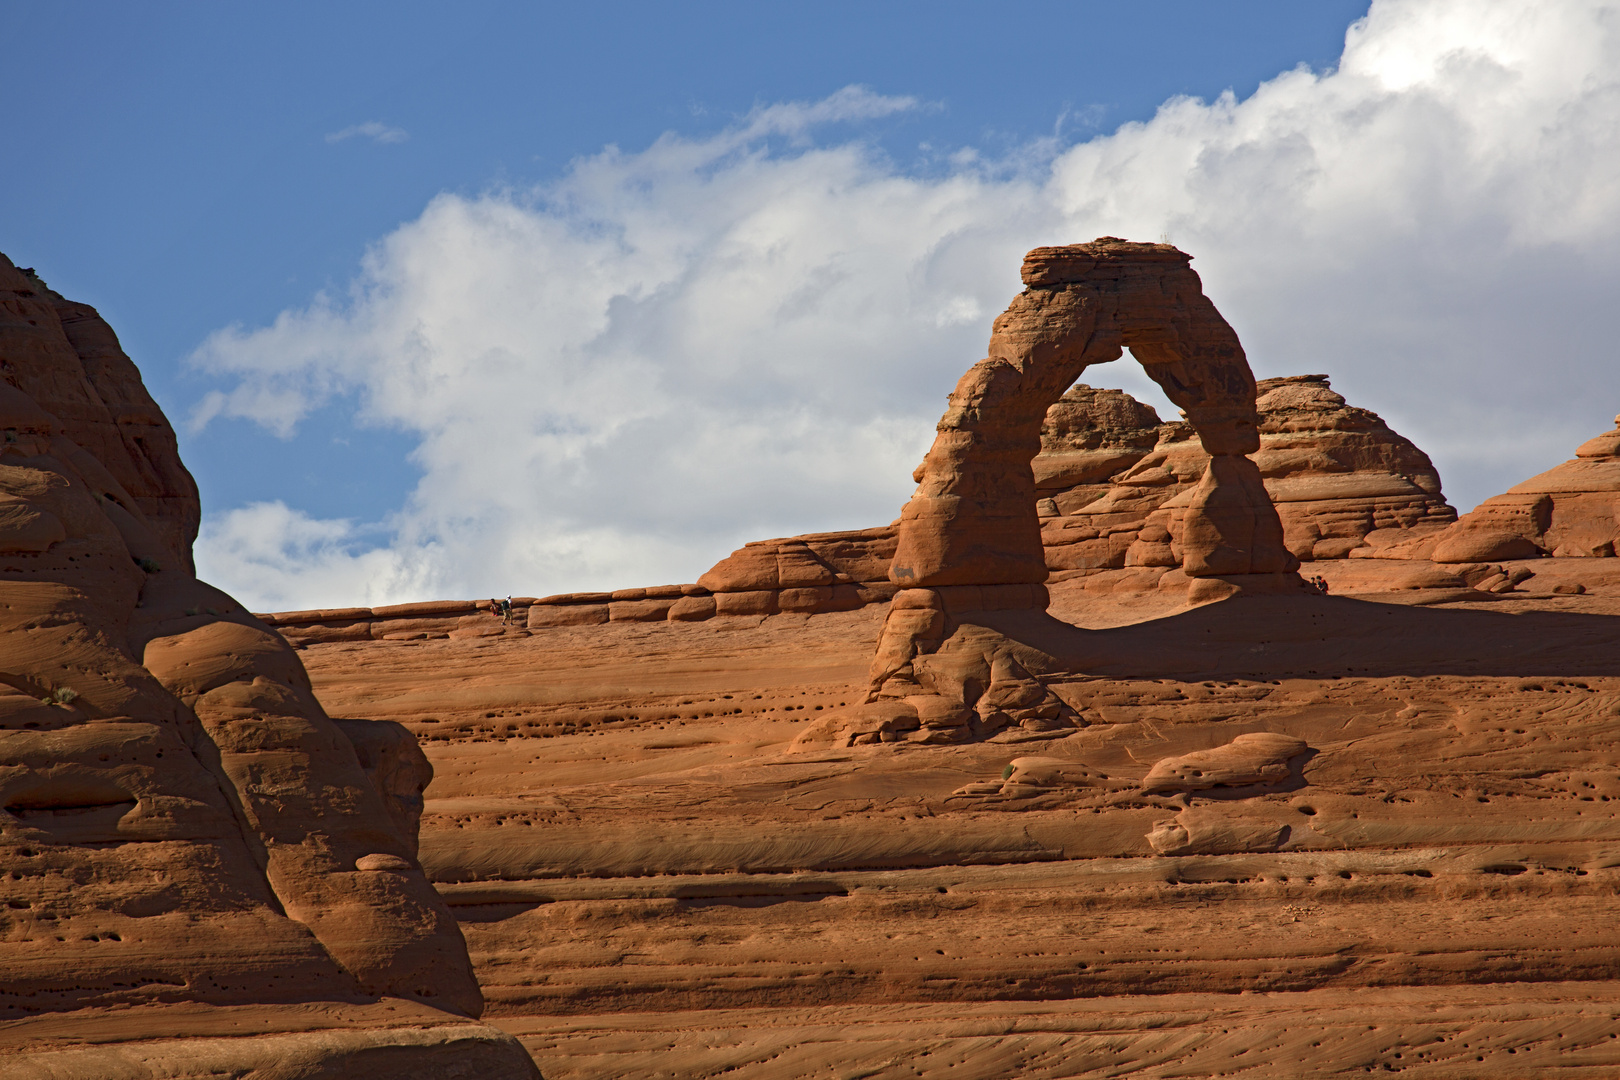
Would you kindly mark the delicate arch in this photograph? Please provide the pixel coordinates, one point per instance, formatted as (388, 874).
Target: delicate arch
(972, 521)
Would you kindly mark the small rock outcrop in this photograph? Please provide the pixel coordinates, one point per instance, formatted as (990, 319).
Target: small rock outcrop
(818, 572)
(1569, 511)
(1258, 758)
(180, 820)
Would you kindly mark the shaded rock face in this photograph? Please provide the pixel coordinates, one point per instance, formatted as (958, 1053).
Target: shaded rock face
(66, 358)
(179, 819)
(1336, 474)
(1570, 511)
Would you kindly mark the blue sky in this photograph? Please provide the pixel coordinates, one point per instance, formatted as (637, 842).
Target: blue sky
(194, 168)
(176, 169)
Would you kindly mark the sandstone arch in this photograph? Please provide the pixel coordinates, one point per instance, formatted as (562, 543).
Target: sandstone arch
(972, 520)
(969, 538)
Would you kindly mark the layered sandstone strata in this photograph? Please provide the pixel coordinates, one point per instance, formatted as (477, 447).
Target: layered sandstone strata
(1088, 438)
(1571, 510)
(180, 822)
(811, 574)
(1336, 474)
(1292, 803)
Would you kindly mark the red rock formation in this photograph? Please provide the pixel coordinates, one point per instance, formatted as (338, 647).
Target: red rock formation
(1571, 510)
(970, 540)
(180, 820)
(817, 572)
(1347, 836)
(1336, 474)
(1347, 833)
(1112, 483)
(65, 356)
(1088, 438)
(973, 521)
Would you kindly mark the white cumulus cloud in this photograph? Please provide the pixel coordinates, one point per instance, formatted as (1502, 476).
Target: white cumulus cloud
(617, 377)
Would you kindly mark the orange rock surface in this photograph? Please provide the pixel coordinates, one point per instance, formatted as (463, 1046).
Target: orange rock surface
(201, 876)
(1572, 510)
(1130, 822)
(1142, 820)
(1404, 849)
(1336, 474)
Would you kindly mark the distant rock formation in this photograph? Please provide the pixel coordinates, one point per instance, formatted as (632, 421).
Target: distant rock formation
(1335, 472)
(181, 821)
(1571, 511)
(817, 572)
(1112, 484)
(1089, 437)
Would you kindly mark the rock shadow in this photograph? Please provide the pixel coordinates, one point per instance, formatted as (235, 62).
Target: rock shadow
(1316, 637)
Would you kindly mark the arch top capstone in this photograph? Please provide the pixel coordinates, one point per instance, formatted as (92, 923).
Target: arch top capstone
(1045, 266)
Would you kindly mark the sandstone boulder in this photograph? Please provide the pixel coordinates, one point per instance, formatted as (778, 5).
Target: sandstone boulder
(1257, 758)
(1217, 831)
(837, 571)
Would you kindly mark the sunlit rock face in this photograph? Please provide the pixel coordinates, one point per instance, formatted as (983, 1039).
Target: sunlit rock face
(179, 819)
(1570, 511)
